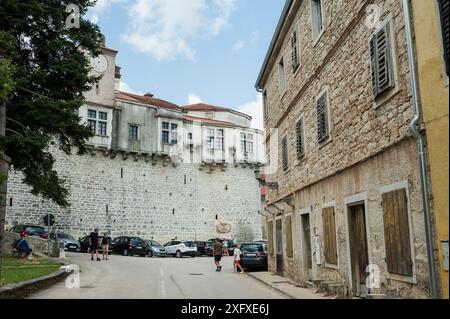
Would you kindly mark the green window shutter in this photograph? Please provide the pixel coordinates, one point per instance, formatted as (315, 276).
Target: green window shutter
(322, 118)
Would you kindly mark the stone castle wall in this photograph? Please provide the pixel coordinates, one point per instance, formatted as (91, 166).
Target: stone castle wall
(159, 202)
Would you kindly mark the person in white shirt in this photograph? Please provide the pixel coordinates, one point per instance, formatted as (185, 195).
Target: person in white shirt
(237, 259)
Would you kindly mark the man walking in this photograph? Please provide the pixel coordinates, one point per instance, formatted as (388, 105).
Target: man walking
(105, 245)
(217, 253)
(93, 243)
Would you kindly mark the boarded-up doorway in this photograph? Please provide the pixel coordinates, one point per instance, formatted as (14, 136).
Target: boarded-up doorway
(306, 240)
(279, 251)
(359, 254)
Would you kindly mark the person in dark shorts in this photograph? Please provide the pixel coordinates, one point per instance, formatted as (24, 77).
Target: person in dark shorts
(93, 243)
(105, 246)
(217, 253)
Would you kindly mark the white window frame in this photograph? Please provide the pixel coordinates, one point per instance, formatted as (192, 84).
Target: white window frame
(97, 120)
(317, 35)
(246, 141)
(217, 139)
(171, 133)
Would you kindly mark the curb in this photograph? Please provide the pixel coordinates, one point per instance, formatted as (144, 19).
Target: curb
(272, 287)
(23, 289)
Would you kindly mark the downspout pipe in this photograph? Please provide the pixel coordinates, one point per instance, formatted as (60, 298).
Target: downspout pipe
(420, 145)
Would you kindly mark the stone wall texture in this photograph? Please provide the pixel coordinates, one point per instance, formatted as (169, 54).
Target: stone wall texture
(136, 198)
(369, 147)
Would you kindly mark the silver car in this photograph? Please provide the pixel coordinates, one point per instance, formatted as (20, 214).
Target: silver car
(156, 249)
(69, 243)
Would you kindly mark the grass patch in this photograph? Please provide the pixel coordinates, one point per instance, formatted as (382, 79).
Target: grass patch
(18, 270)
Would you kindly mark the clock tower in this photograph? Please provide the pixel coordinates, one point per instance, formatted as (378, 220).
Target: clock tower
(103, 65)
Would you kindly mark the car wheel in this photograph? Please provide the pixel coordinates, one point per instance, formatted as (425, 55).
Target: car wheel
(178, 254)
(150, 254)
(125, 252)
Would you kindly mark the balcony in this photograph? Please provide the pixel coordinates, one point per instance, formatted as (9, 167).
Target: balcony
(213, 156)
(134, 146)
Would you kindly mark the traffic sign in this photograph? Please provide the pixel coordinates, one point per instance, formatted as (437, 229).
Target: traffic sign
(49, 220)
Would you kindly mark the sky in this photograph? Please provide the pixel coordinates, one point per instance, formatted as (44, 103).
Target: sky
(191, 51)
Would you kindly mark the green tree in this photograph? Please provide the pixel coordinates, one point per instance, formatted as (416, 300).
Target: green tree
(45, 73)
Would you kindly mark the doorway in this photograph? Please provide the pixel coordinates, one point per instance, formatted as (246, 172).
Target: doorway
(306, 240)
(359, 254)
(279, 250)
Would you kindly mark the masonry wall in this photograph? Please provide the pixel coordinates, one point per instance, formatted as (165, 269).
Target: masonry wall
(157, 202)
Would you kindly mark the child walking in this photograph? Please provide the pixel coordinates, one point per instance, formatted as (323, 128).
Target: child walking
(237, 259)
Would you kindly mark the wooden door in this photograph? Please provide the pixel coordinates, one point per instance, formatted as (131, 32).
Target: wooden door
(279, 250)
(307, 243)
(359, 254)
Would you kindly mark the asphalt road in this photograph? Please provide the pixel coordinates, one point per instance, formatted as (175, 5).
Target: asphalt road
(157, 278)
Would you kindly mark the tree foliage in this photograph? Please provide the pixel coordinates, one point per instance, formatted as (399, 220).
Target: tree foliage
(44, 69)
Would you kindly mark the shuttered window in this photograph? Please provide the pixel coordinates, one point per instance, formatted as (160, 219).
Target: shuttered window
(265, 105)
(284, 153)
(288, 230)
(444, 11)
(270, 236)
(294, 51)
(322, 118)
(329, 235)
(396, 233)
(300, 139)
(382, 65)
(281, 77)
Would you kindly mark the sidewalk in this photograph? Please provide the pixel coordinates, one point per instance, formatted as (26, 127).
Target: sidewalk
(285, 286)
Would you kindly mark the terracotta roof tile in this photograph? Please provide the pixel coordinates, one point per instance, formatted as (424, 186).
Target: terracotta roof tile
(146, 100)
(209, 121)
(208, 107)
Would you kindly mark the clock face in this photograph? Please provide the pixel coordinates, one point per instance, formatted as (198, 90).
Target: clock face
(99, 64)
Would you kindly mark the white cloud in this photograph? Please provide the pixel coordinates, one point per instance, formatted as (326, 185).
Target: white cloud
(125, 87)
(255, 110)
(165, 29)
(101, 7)
(194, 99)
(239, 45)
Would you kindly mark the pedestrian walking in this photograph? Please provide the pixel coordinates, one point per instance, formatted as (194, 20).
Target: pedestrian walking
(217, 253)
(93, 243)
(225, 248)
(105, 246)
(237, 259)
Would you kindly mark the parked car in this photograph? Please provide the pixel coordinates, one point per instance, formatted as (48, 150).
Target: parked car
(70, 243)
(254, 255)
(31, 230)
(179, 248)
(86, 248)
(156, 249)
(204, 248)
(129, 246)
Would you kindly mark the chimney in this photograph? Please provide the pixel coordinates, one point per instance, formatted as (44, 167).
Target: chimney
(117, 77)
(148, 94)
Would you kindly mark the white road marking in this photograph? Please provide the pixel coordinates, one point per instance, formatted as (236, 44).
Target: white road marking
(163, 289)
(161, 271)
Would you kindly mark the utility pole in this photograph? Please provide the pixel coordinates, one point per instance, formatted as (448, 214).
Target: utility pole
(4, 167)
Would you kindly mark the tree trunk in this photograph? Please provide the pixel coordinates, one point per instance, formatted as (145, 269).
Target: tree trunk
(4, 167)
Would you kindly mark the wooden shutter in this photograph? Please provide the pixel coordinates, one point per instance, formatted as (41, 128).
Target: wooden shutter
(266, 105)
(294, 50)
(444, 10)
(270, 236)
(396, 233)
(285, 153)
(288, 230)
(382, 65)
(322, 118)
(329, 235)
(300, 139)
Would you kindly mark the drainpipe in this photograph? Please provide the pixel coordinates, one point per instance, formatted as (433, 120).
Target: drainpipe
(419, 140)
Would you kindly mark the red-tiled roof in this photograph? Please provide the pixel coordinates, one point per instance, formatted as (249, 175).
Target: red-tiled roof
(208, 107)
(146, 100)
(209, 121)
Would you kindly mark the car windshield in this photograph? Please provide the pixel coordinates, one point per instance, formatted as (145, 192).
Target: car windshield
(189, 244)
(64, 236)
(36, 230)
(155, 244)
(136, 241)
(252, 248)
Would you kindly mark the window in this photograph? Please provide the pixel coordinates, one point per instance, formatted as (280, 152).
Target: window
(169, 133)
(97, 121)
(382, 63)
(265, 105)
(284, 154)
(246, 143)
(215, 139)
(281, 74)
(300, 139)
(444, 12)
(133, 133)
(322, 118)
(396, 233)
(289, 248)
(329, 235)
(317, 17)
(294, 51)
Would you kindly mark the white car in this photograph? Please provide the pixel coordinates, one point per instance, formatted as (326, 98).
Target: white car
(181, 248)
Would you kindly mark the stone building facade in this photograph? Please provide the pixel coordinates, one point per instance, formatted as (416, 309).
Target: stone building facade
(345, 199)
(154, 169)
